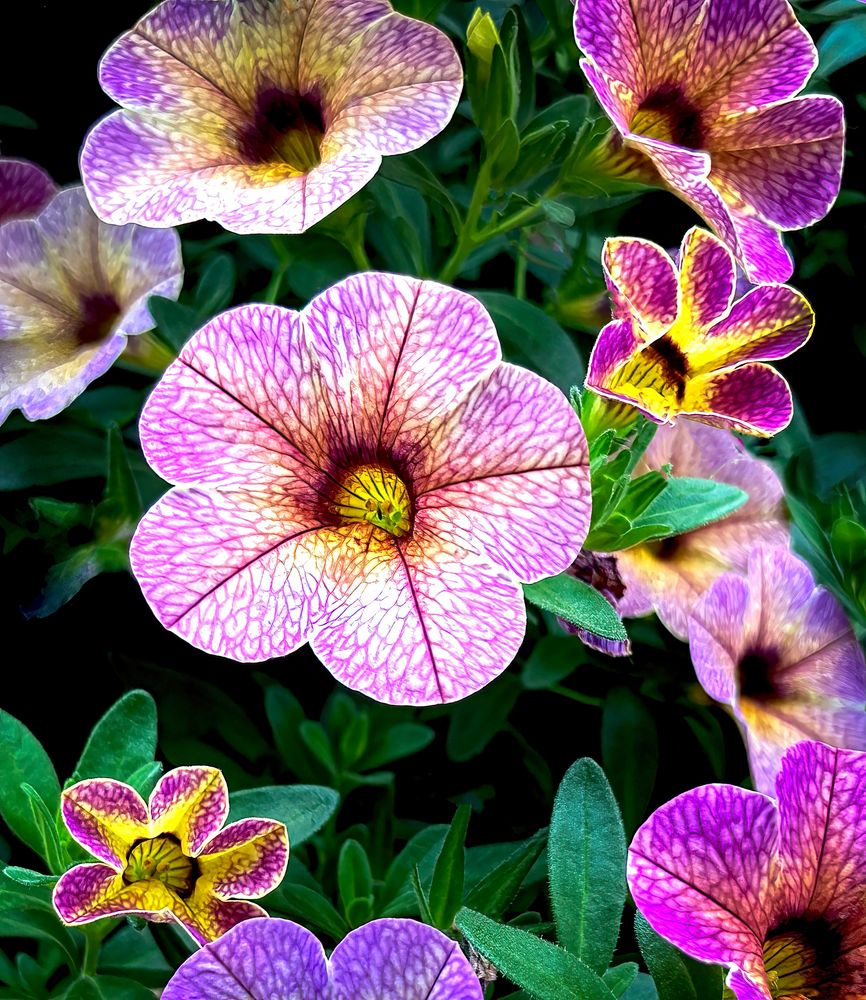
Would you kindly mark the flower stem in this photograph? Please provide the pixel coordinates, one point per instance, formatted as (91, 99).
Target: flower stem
(92, 944)
(584, 699)
(467, 237)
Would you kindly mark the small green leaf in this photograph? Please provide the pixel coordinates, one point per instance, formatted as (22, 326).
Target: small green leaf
(26, 876)
(478, 718)
(303, 808)
(446, 886)
(12, 118)
(841, 44)
(216, 285)
(395, 742)
(42, 458)
(629, 743)
(620, 977)
(687, 504)
(355, 883)
(498, 887)
(121, 500)
(123, 741)
(578, 603)
(24, 760)
(176, 322)
(308, 907)
(397, 879)
(552, 659)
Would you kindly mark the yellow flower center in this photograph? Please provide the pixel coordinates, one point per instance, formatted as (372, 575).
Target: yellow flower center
(372, 493)
(667, 114)
(162, 859)
(800, 961)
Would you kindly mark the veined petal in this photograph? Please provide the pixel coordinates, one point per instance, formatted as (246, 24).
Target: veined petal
(247, 859)
(401, 960)
(419, 622)
(89, 892)
(643, 283)
(206, 918)
(762, 250)
(708, 278)
(716, 638)
(751, 399)
(507, 475)
(106, 817)
(190, 803)
(392, 352)
(618, 100)
(701, 871)
(24, 189)
(615, 345)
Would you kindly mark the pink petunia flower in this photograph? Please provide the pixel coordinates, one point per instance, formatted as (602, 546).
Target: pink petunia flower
(170, 858)
(263, 115)
(774, 890)
(669, 576)
(703, 90)
(367, 475)
(781, 652)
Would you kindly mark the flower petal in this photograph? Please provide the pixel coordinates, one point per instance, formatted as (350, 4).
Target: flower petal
(507, 474)
(401, 960)
(89, 892)
(247, 859)
(701, 871)
(643, 282)
(190, 803)
(716, 638)
(24, 189)
(420, 621)
(106, 817)
(615, 345)
(708, 278)
(751, 399)
(205, 917)
(259, 959)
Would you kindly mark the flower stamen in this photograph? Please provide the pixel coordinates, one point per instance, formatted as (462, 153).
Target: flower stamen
(372, 493)
(161, 858)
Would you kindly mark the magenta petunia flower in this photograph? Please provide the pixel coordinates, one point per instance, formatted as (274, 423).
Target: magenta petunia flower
(781, 652)
(263, 115)
(669, 576)
(367, 475)
(679, 344)
(72, 290)
(24, 189)
(170, 858)
(267, 959)
(704, 90)
(774, 891)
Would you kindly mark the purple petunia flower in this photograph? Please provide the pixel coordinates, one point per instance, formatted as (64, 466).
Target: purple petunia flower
(260, 114)
(270, 959)
(72, 291)
(24, 189)
(780, 651)
(775, 891)
(367, 475)
(703, 90)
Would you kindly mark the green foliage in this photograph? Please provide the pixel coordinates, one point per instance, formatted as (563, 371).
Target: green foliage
(303, 808)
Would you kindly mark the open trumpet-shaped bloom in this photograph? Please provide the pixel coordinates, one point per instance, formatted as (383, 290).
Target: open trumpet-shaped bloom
(680, 345)
(366, 475)
(705, 90)
(669, 576)
(776, 891)
(267, 959)
(780, 651)
(263, 115)
(170, 858)
(72, 290)
(24, 189)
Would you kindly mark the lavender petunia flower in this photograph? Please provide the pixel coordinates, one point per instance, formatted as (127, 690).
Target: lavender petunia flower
(170, 858)
(680, 344)
(24, 189)
(703, 90)
(72, 290)
(261, 114)
(669, 576)
(780, 651)
(367, 475)
(270, 959)
(775, 891)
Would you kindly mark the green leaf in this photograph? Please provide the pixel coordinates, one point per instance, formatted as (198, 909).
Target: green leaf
(478, 718)
(391, 743)
(12, 118)
(687, 504)
(620, 977)
(121, 500)
(629, 747)
(303, 808)
(411, 171)
(586, 858)
(24, 760)
(26, 876)
(45, 820)
(308, 907)
(397, 879)
(145, 777)
(446, 886)
(42, 458)
(176, 322)
(578, 603)
(544, 970)
(841, 44)
(353, 740)
(216, 285)
(552, 659)
(498, 887)
(123, 741)
(532, 338)
(41, 925)
(107, 988)
(355, 883)
(318, 743)
(676, 976)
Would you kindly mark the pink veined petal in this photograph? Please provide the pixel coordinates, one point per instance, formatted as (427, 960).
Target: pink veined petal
(822, 804)
(619, 101)
(762, 253)
(606, 32)
(716, 636)
(643, 283)
(235, 572)
(507, 475)
(752, 399)
(190, 803)
(418, 622)
(392, 352)
(745, 987)
(106, 817)
(24, 189)
(701, 871)
(88, 892)
(246, 859)
(206, 917)
(707, 278)
(616, 344)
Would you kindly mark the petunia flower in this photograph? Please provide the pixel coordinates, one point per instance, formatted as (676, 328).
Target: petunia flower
(267, 959)
(263, 115)
(781, 652)
(680, 345)
(170, 858)
(72, 290)
(24, 189)
(669, 576)
(775, 891)
(367, 475)
(704, 91)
